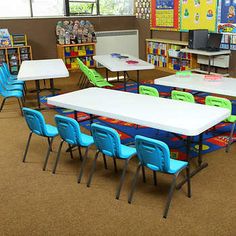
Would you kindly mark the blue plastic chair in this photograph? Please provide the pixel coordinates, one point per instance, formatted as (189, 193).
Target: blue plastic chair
(11, 94)
(37, 125)
(69, 130)
(11, 76)
(107, 141)
(155, 155)
(10, 79)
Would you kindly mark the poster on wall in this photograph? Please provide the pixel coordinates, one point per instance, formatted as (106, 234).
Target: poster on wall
(227, 19)
(198, 14)
(165, 14)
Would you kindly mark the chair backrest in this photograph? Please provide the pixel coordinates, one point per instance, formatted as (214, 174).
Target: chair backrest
(106, 139)
(182, 96)
(219, 102)
(68, 129)
(6, 69)
(153, 153)
(147, 90)
(35, 121)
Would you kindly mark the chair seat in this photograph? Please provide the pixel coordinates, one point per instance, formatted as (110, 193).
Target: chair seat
(231, 119)
(14, 87)
(175, 166)
(51, 131)
(127, 152)
(86, 140)
(15, 82)
(13, 93)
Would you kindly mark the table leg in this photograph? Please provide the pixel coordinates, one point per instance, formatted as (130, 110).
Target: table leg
(137, 81)
(118, 76)
(75, 115)
(38, 92)
(124, 80)
(52, 87)
(200, 164)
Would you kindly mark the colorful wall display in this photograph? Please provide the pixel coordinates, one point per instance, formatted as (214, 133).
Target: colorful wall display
(198, 14)
(227, 18)
(165, 14)
(142, 9)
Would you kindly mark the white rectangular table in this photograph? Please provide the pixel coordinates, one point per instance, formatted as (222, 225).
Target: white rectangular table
(209, 54)
(36, 70)
(224, 86)
(160, 113)
(115, 64)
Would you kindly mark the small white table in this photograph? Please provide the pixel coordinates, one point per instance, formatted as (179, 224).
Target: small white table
(160, 113)
(115, 64)
(224, 86)
(42, 69)
(209, 54)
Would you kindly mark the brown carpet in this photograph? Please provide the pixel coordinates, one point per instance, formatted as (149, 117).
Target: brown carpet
(35, 202)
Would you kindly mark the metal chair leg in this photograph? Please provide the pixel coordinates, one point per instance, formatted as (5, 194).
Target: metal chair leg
(105, 161)
(3, 102)
(80, 154)
(48, 153)
(83, 165)
(122, 179)
(170, 195)
(144, 176)
(230, 137)
(155, 178)
(188, 180)
(115, 166)
(27, 146)
(70, 150)
(58, 157)
(93, 169)
(20, 106)
(134, 184)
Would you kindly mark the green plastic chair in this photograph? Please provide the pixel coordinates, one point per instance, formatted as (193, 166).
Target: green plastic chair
(93, 76)
(224, 103)
(147, 90)
(182, 96)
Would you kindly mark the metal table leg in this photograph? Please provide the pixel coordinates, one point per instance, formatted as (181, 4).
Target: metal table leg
(137, 81)
(38, 92)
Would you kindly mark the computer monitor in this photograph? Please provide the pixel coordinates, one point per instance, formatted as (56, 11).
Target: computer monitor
(214, 41)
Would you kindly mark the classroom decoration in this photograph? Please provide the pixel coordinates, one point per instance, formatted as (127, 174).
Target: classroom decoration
(5, 40)
(227, 18)
(165, 14)
(69, 32)
(142, 9)
(198, 14)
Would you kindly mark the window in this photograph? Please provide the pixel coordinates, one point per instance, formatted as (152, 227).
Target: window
(34, 8)
(81, 7)
(48, 7)
(15, 8)
(99, 7)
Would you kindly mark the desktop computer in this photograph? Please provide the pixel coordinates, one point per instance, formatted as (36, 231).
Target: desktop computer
(198, 39)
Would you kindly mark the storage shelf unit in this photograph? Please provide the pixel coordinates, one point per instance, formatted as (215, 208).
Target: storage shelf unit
(69, 52)
(14, 56)
(165, 55)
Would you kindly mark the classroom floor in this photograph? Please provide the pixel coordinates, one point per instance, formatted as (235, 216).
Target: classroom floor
(35, 202)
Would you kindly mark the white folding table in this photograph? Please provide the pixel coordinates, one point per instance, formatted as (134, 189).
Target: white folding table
(159, 113)
(209, 54)
(224, 86)
(116, 64)
(36, 70)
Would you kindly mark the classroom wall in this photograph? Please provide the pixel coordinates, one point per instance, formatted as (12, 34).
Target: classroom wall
(41, 32)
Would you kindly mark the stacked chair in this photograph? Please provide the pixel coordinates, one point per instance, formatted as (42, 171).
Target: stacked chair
(91, 76)
(10, 88)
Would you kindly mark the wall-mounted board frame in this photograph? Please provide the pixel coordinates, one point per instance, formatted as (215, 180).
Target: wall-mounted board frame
(196, 14)
(165, 15)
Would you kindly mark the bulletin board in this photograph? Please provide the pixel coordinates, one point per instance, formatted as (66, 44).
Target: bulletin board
(198, 14)
(165, 14)
(227, 18)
